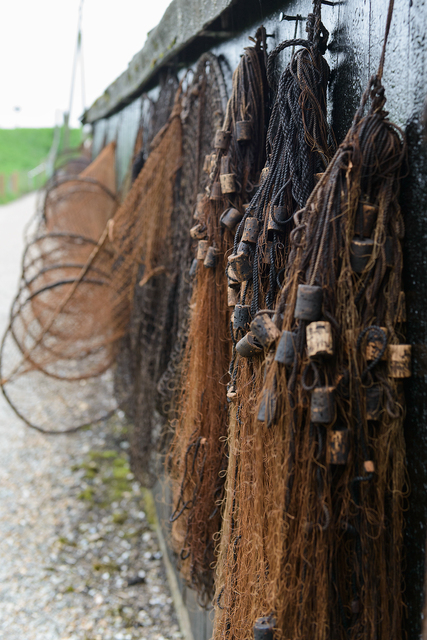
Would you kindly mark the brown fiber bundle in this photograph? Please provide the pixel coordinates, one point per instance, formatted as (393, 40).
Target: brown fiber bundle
(151, 352)
(299, 145)
(80, 274)
(197, 457)
(145, 267)
(313, 531)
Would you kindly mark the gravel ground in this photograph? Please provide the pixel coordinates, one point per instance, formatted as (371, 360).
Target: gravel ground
(79, 558)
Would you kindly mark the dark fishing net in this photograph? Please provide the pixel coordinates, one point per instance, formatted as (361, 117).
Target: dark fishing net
(151, 351)
(312, 532)
(197, 458)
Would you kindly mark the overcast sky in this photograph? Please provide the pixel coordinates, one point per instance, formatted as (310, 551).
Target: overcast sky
(37, 43)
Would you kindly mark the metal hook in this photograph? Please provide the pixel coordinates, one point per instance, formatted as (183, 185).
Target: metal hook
(283, 17)
(296, 18)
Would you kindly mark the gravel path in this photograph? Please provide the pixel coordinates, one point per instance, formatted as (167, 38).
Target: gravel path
(79, 559)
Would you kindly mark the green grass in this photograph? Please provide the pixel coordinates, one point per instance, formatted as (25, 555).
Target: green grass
(22, 150)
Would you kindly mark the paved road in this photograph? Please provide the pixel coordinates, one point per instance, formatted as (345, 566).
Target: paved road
(51, 541)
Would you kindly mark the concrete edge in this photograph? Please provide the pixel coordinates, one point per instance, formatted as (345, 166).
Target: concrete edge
(180, 608)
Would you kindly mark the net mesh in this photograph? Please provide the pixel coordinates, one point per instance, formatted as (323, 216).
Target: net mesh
(310, 540)
(197, 457)
(151, 352)
(57, 336)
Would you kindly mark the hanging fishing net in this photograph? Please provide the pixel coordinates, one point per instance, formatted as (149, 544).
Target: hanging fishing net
(58, 342)
(71, 162)
(197, 458)
(312, 532)
(151, 351)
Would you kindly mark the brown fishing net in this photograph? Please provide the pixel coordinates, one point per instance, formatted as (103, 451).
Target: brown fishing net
(59, 334)
(152, 349)
(312, 531)
(197, 459)
(79, 278)
(286, 423)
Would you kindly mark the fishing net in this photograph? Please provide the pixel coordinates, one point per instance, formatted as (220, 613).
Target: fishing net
(79, 277)
(59, 341)
(312, 532)
(299, 145)
(151, 351)
(71, 162)
(197, 458)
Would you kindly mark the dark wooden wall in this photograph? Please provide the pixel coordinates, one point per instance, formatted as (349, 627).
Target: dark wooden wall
(356, 31)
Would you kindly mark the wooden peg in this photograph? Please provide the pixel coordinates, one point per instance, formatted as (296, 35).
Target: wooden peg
(285, 352)
(198, 211)
(369, 466)
(360, 252)
(241, 266)
(263, 176)
(264, 628)
(211, 258)
(230, 218)
(319, 339)
(248, 346)
(198, 232)
(232, 296)
(251, 230)
(267, 407)
(322, 405)
(202, 249)
(232, 394)
(278, 218)
(232, 278)
(309, 302)
(264, 329)
(266, 256)
(225, 165)
(355, 606)
(221, 139)
(365, 220)
(401, 308)
(243, 130)
(399, 364)
(216, 193)
(244, 247)
(207, 163)
(241, 316)
(193, 268)
(338, 446)
(228, 183)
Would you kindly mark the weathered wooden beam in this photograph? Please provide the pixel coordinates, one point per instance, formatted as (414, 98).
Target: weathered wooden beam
(182, 22)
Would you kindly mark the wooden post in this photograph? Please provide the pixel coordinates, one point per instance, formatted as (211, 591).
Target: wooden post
(319, 339)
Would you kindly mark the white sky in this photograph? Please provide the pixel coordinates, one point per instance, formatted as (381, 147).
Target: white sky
(37, 43)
